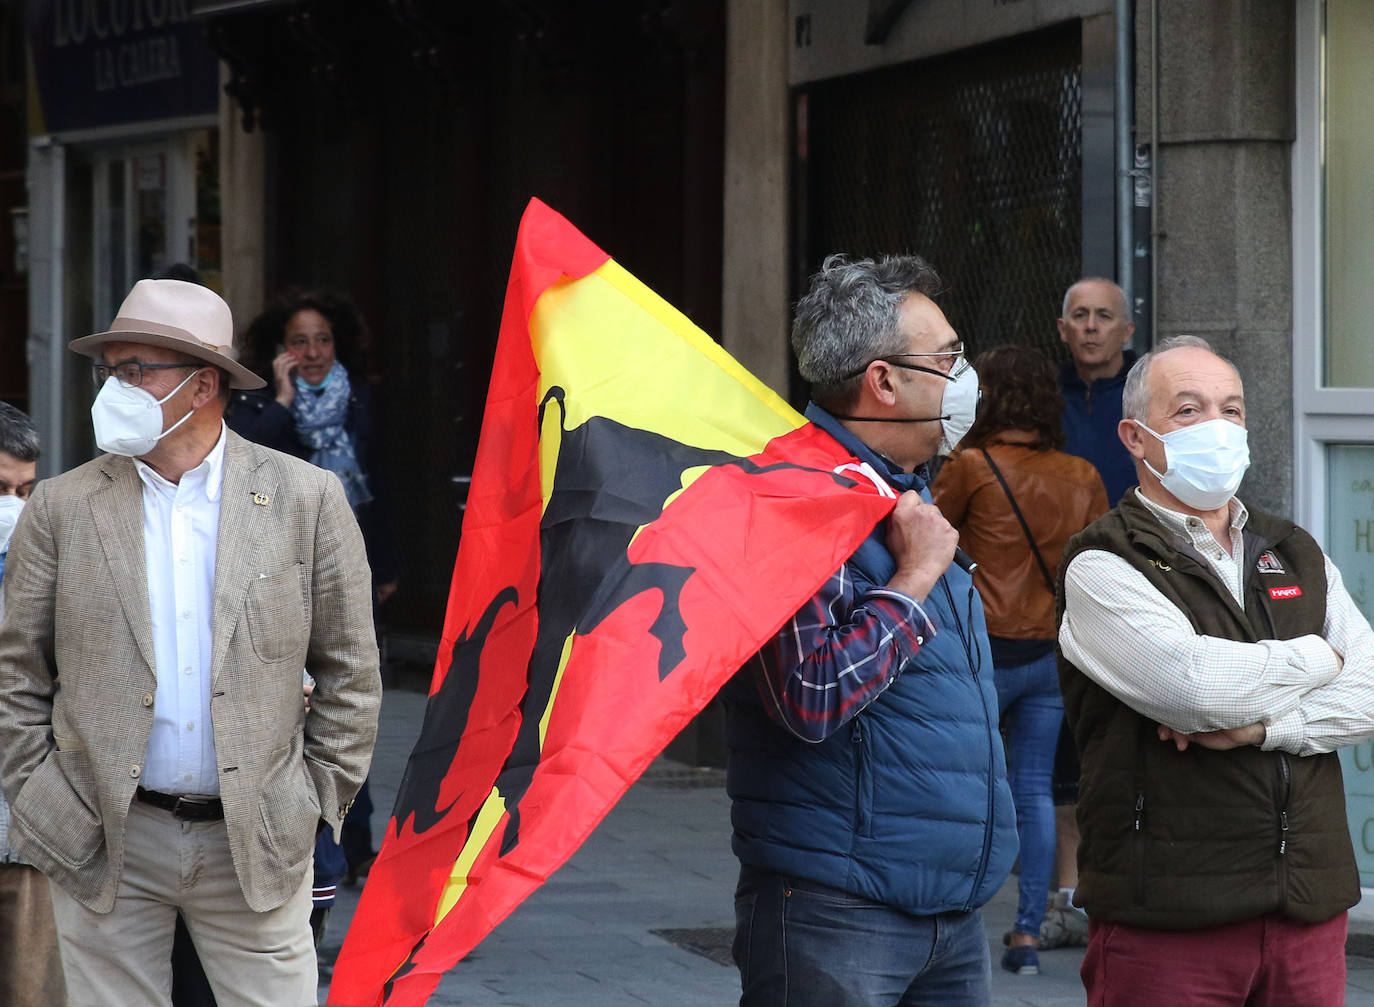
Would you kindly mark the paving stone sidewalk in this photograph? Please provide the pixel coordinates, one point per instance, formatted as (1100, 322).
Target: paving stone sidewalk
(616, 926)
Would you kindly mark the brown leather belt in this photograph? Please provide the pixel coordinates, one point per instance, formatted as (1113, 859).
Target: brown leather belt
(188, 809)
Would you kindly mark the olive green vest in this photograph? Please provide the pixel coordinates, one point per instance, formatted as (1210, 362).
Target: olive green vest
(1181, 840)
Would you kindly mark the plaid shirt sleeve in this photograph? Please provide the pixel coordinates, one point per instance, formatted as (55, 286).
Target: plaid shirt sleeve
(837, 655)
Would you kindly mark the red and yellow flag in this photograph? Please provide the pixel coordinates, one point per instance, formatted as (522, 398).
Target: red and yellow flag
(644, 514)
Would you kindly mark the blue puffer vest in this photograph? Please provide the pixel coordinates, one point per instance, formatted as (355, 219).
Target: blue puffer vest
(908, 803)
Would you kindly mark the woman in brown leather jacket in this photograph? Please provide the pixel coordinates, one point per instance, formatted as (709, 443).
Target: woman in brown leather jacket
(1016, 500)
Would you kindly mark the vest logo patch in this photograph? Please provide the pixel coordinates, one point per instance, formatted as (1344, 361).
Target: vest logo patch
(1285, 592)
(1161, 565)
(1269, 563)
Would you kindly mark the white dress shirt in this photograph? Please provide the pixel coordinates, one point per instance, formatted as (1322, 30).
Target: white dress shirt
(1313, 693)
(180, 533)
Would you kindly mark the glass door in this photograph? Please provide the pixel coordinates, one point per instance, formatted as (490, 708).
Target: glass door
(155, 207)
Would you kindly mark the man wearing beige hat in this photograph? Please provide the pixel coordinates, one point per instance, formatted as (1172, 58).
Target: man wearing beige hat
(161, 603)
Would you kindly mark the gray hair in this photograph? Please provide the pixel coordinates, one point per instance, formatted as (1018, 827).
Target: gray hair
(849, 317)
(1120, 295)
(1135, 397)
(18, 435)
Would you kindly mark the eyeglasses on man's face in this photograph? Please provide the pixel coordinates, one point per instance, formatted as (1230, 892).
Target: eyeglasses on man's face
(948, 363)
(130, 372)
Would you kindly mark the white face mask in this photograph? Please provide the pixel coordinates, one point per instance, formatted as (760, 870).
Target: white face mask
(128, 421)
(10, 508)
(1203, 463)
(958, 406)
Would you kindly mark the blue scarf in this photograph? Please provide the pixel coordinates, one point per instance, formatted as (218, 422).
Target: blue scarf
(320, 417)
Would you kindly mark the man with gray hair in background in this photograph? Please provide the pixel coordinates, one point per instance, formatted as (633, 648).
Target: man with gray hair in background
(870, 806)
(1211, 663)
(30, 965)
(1096, 327)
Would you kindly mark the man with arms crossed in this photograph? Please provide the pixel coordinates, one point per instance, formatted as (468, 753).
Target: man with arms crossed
(1212, 661)
(870, 808)
(161, 603)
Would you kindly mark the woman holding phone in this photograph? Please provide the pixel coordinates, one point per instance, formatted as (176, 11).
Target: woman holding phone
(318, 406)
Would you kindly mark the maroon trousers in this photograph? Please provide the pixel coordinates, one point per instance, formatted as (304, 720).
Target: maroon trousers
(1264, 962)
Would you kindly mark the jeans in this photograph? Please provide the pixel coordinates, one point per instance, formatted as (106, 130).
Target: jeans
(802, 944)
(1032, 710)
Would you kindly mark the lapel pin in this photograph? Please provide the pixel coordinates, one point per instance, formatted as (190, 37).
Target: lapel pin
(261, 499)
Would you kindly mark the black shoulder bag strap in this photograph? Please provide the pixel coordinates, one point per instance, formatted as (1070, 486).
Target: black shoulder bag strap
(1035, 549)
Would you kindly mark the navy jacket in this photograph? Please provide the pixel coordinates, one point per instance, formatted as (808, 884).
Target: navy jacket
(1091, 413)
(257, 416)
(907, 804)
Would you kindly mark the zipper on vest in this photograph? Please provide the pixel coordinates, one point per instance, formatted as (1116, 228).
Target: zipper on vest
(1286, 775)
(1262, 596)
(863, 781)
(1138, 842)
(975, 657)
(971, 651)
(992, 800)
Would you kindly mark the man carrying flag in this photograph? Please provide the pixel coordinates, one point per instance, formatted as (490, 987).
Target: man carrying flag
(624, 550)
(871, 811)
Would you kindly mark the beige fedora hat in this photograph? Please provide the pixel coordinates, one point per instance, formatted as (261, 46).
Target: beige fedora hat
(180, 316)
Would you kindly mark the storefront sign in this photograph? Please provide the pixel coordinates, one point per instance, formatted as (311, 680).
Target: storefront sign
(111, 62)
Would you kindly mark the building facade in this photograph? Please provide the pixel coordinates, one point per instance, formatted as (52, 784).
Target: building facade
(122, 178)
(1233, 207)
(1211, 157)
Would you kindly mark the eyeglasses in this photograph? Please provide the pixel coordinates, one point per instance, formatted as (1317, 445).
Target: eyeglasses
(948, 363)
(130, 372)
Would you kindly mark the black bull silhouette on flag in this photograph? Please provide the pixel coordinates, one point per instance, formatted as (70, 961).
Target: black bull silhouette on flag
(585, 575)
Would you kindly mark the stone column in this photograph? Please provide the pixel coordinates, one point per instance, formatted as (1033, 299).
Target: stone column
(754, 310)
(1224, 204)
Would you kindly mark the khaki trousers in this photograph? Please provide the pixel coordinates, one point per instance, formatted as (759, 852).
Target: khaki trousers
(30, 968)
(124, 957)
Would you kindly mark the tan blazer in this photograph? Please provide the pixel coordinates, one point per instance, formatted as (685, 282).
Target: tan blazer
(77, 679)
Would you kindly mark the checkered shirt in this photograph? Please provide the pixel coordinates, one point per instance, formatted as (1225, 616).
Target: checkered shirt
(837, 655)
(1312, 693)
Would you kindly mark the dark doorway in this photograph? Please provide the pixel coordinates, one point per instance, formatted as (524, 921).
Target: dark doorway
(972, 159)
(404, 140)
